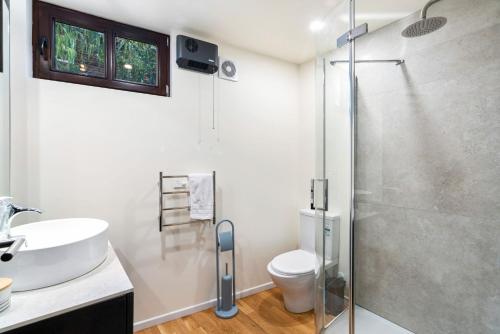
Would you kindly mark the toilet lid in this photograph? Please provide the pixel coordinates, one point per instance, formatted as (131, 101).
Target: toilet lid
(297, 262)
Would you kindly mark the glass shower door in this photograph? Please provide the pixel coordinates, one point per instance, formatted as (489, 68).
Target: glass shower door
(332, 186)
(336, 307)
(415, 229)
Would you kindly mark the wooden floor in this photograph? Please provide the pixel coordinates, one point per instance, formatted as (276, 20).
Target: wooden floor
(260, 313)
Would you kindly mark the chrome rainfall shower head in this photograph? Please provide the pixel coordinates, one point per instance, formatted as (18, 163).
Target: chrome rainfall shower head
(424, 25)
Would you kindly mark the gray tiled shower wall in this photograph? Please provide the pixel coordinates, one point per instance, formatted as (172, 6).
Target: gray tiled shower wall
(428, 163)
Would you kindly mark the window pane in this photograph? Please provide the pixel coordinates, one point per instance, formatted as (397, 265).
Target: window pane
(79, 51)
(136, 62)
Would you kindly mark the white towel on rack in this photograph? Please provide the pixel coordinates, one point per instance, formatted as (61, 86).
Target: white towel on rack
(201, 196)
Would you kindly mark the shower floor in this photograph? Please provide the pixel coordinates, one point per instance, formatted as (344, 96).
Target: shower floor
(366, 323)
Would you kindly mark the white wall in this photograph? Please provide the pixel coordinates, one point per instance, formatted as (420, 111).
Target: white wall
(307, 131)
(95, 152)
(21, 72)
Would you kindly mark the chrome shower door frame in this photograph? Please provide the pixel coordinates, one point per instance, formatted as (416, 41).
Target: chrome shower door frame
(352, 113)
(348, 40)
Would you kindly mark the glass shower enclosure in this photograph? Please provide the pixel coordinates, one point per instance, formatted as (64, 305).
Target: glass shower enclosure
(332, 186)
(408, 159)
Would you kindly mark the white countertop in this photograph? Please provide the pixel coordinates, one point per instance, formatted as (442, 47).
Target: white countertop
(107, 281)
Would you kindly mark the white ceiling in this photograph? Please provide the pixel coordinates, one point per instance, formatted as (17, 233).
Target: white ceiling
(278, 28)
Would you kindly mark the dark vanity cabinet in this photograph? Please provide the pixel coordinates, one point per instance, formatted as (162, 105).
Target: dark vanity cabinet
(114, 316)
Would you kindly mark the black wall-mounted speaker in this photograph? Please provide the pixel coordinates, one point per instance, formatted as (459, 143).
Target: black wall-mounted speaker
(196, 55)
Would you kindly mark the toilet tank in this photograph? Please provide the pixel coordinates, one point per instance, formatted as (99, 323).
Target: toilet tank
(308, 233)
(307, 230)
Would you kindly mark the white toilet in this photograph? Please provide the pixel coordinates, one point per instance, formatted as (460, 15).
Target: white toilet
(293, 272)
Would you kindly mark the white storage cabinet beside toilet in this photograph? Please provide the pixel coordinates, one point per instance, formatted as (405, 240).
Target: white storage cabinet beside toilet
(293, 272)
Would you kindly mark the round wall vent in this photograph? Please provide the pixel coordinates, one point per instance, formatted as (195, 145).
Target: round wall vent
(228, 68)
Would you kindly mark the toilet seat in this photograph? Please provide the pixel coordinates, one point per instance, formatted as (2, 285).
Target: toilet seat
(295, 263)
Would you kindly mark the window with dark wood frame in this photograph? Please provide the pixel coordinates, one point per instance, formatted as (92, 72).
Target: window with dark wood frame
(106, 64)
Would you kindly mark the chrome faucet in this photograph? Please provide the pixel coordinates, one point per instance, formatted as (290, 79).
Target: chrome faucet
(8, 211)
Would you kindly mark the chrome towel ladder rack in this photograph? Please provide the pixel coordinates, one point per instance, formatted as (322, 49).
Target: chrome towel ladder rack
(180, 192)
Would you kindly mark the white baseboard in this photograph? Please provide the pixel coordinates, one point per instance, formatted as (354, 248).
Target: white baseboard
(159, 319)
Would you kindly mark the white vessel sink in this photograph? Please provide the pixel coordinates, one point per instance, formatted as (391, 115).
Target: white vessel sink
(56, 251)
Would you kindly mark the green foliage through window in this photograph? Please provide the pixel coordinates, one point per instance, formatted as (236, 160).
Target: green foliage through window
(80, 51)
(89, 50)
(136, 61)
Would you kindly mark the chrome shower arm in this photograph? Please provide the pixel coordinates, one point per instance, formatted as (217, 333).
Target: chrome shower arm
(423, 13)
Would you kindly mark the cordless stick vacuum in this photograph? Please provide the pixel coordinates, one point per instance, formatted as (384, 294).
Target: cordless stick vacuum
(226, 292)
